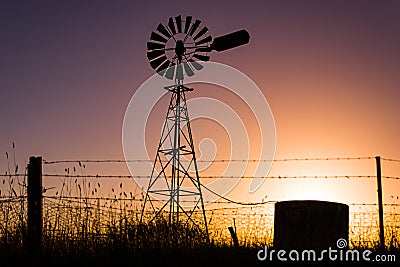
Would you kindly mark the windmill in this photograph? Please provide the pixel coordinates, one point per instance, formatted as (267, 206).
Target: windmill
(174, 51)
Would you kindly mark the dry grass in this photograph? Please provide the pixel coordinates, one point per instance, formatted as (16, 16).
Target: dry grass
(79, 221)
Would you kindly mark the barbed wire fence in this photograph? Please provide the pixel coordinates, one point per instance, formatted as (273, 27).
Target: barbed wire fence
(79, 203)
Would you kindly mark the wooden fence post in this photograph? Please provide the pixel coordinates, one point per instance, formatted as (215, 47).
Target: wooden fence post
(380, 204)
(34, 238)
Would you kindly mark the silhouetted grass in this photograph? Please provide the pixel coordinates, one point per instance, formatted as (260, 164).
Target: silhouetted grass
(85, 235)
(81, 227)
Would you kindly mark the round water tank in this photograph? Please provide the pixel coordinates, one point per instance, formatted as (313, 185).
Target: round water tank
(310, 224)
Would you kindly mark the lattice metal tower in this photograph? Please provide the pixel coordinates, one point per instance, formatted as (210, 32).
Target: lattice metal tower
(172, 50)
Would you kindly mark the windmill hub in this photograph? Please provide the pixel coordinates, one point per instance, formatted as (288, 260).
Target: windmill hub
(180, 49)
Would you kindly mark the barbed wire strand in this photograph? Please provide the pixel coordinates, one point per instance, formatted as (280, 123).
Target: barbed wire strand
(13, 175)
(73, 199)
(138, 199)
(227, 200)
(22, 197)
(393, 160)
(208, 177)
(223, 177)
(215, 160)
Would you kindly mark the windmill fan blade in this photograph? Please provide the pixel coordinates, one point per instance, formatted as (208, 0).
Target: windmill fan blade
(194, 27)
(230, 40)
(179, 72)
(201, 57)
(188, 70)
(178, 20)
(203, 49)
(200, 33)
(171, 25)
(195, 64)
(163, 30)
(161, 70)
(154, 54)
(154, 46)
(193, 45)
(156, 37)
(157, 62)
(205, 40)
(170, 72)
(187, 23)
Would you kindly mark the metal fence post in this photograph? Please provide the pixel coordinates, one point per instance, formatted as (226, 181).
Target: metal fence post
(380, 203)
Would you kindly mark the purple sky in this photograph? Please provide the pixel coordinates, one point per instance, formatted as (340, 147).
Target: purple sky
(329, 70)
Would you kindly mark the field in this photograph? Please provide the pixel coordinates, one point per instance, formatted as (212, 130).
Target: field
(82, 226)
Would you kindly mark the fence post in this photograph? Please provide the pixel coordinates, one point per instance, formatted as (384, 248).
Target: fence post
(34, 238)
(380, 204)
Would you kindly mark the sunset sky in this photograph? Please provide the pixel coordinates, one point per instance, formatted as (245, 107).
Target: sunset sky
(328, 69)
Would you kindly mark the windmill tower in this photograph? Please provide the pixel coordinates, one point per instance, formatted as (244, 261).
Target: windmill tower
(174, 51)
